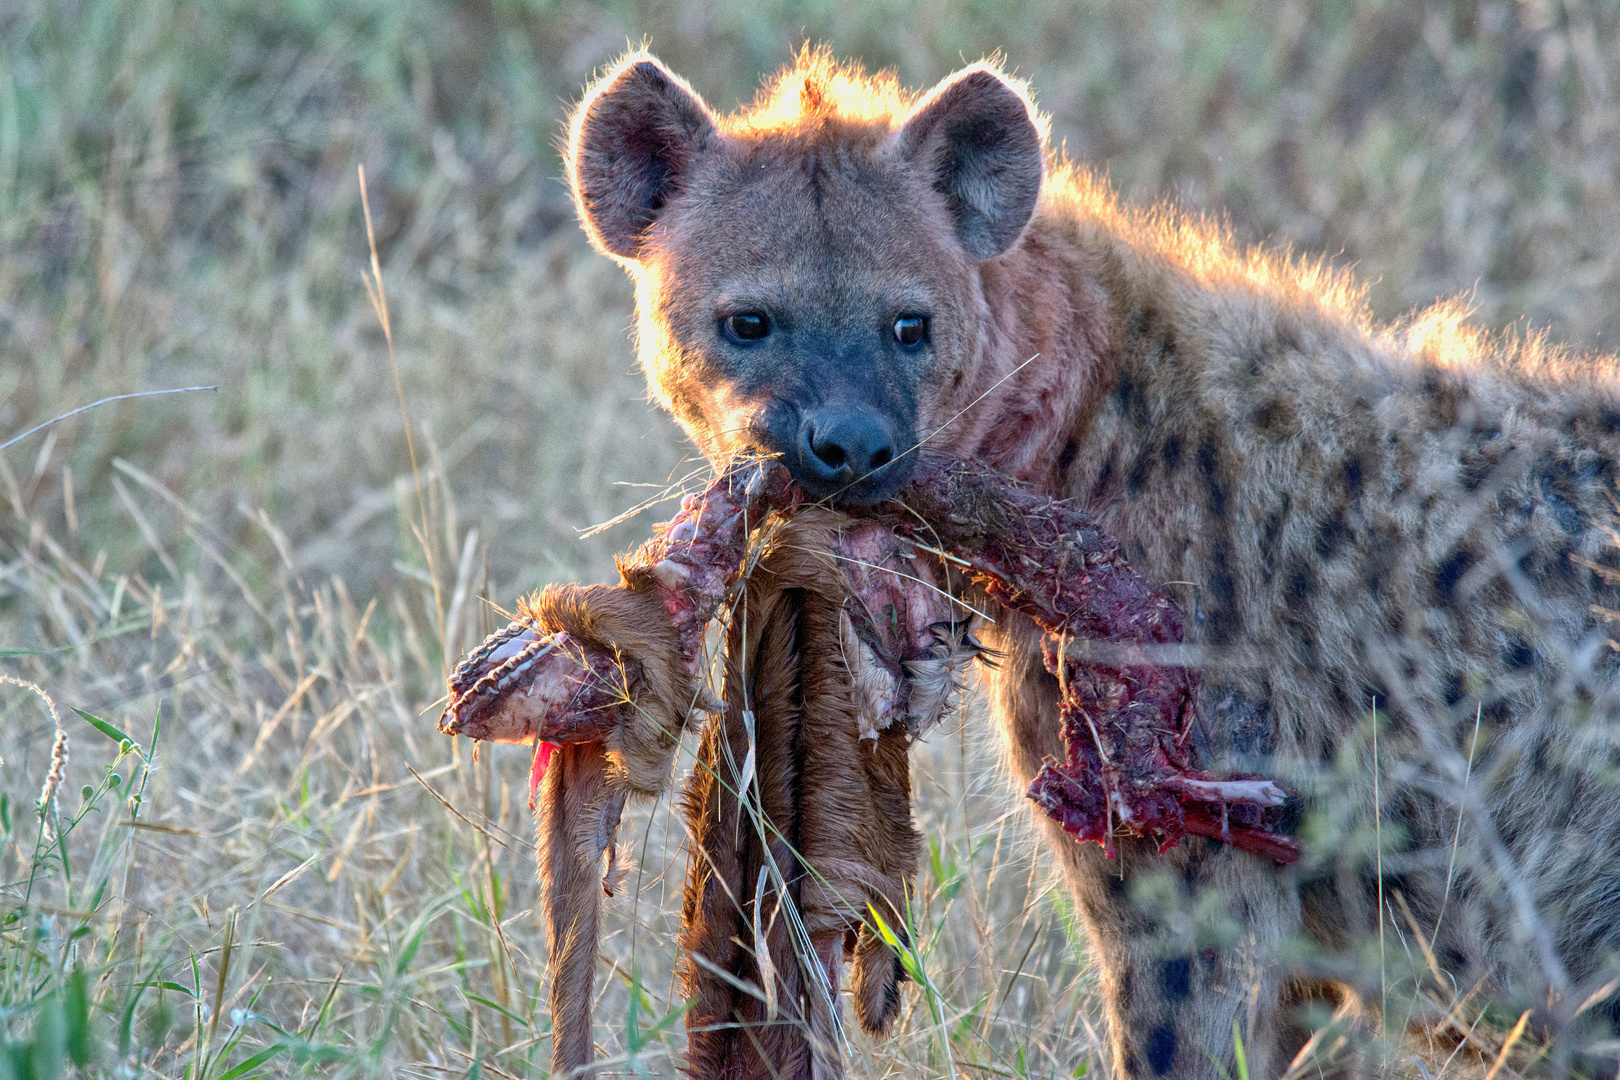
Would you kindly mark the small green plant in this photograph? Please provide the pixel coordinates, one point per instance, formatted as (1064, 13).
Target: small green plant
(59, 956)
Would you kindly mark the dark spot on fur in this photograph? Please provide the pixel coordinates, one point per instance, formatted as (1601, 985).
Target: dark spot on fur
(1560, 491)
(1445, 398)
(1161, 1049)
(1498, 711)
(1144, 323)
(1172, 453)
(1518, 654)
(1299, 584)
(1209, 468)
(1455, 691)
(1341, 699)
(1332, 534)
(1175, 978)
(1116, 891)
(1310, 648)
(1477, 469)
(1208, 458)
(1225, 621)
(1105, 476)
(1352, 477)
(1611, 422)
(1137, 478)
(1190, 875)
(1130, 398)
(1449, 573)
(1292, 815)
(1273, 417)
(1066, 458)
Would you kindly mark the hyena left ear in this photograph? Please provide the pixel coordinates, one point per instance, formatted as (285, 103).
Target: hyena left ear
(637, 130)
(976, 135)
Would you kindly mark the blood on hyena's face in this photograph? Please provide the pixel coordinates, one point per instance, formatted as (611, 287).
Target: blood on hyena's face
(806, 279)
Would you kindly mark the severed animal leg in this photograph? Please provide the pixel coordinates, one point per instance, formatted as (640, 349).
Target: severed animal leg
(603, 679)
(740, 964)
(576, 656)
(578, 810)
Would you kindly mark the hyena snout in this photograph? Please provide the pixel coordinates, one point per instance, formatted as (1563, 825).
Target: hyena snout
(845, 452)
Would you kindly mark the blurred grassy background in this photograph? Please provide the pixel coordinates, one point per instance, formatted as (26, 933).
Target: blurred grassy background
(178, 205)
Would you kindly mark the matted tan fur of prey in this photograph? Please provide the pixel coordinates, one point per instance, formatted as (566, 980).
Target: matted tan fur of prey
(831, 810)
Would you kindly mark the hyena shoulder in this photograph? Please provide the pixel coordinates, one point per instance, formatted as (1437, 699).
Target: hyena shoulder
(1334, 490)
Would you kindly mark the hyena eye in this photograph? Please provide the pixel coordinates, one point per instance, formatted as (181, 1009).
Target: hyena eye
(911, 329)
(747, 325)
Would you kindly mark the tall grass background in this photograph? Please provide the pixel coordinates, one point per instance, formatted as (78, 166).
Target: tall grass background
(312, 880)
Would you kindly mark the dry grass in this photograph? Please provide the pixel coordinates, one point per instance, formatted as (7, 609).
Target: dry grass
(178, 206)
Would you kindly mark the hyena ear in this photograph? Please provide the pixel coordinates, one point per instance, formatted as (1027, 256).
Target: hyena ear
(976, 134)
(637, 130)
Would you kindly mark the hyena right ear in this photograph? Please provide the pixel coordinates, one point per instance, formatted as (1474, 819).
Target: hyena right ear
(985, 147)
(637, 130)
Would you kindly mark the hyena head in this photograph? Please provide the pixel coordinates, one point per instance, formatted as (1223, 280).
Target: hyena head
(806, 269)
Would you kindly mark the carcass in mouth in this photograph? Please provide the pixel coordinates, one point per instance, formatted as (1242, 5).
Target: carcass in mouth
(614, 673)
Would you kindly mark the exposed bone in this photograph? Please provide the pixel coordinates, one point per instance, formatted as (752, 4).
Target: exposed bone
(1258, 792)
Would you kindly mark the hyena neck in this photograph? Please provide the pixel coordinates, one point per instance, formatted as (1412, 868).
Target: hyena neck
(1044, 358)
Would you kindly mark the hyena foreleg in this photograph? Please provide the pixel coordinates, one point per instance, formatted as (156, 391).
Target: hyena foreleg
(1186, 941)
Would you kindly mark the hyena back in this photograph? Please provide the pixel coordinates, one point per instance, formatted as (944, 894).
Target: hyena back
(1392, 543)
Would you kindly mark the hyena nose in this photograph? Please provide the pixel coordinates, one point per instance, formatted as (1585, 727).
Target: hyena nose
(843, 445)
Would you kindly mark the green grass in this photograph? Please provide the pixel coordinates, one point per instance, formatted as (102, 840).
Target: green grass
(179, 206)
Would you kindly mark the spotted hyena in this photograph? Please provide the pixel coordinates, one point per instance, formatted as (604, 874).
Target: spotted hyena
(1390, 542)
